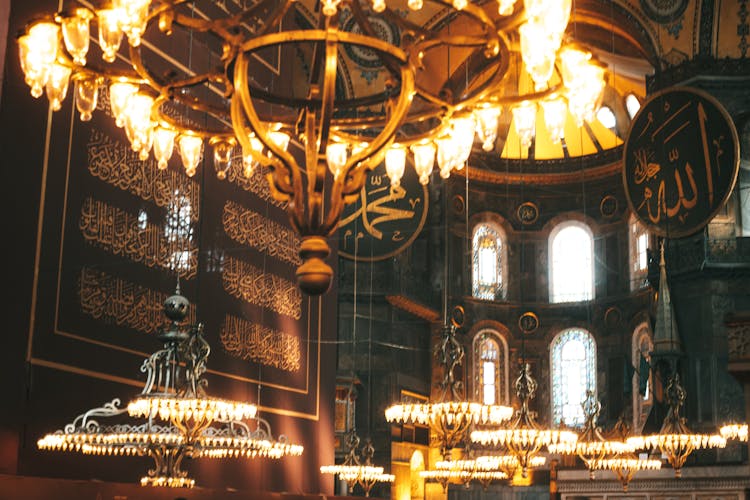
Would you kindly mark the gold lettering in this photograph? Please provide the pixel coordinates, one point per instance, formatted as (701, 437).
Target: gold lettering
(251, 228)
(252, 341)
(246, 282)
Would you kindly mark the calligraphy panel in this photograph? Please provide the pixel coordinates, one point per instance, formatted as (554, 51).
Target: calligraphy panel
(385, 219)
(680, 162)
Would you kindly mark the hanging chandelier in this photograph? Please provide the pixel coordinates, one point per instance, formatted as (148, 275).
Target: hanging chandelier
(173, 419)
(463, 471)
(675, 440)
(734, 431)
(451, 417)
(316, 144)
(592, 447)
(524, 439)
(355, 471)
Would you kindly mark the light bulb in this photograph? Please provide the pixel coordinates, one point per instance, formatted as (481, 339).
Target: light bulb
(584, 92)
(460, 4)
(44, 41)
(34, 69)
(281, 139)
(415, 4)
(395, 162)
(446, 155)
(75, 30)
(191, 149)
(330, 7)
(505, 7)
(486, 118)
(110, 34)
(378, 5)
(57, 85)
(555, 113)
(119, 93)
(524, 119)
(163, 145)
(137, 115)
(87, 94)
(132, 15)
(463, 129)
(336, 155)
(538, 53)
(223, 148)
(424, 160)
(248, 160)
(572, 60)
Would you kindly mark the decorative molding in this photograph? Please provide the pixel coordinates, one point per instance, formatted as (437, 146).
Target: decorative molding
(412, 307)
(482, 172)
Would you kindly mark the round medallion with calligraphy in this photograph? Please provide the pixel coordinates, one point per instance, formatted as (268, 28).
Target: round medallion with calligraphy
(528, 322)
(608, 206)
(385, 219)
(681, 161)
(527, 213)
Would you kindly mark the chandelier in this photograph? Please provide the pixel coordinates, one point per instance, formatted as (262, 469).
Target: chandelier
(316, 144)
(675, 440)
(177, 420)
(524, 439)
(354, 471)
(592, 447)
(451, 417)
(734, 431)
(464, 471)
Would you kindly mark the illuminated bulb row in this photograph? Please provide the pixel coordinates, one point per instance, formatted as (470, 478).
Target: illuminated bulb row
(248, 445)
(592, 447)
(191, 408)
(734, 431)
(523, 437)
(129, 451)
(667, 442)
(169, 481)
(631, 464)
(504, 7)
(453, 412)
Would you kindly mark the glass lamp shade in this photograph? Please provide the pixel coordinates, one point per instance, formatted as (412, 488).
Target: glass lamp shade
(163, 145)
(44, 41)
(424, 160)
(395, 163)
(87, 95)
(505, 7)
(132, 15)
(191, 152)
(336, 155)
(58, 79)
(248, 160)
(110, 34)
(279, 138)
(137, 118)
(119, 93)
(524, 119)
(555, 114)
(222, 155)
(75, 31)
(486, 123)
(538, 48)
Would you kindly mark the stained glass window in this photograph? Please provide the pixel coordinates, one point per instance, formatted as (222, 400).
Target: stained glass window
(487, 250)
(490, 360)
(638, 254)
(571, 262)
(573, 361)
(641, 358)
(178, 230)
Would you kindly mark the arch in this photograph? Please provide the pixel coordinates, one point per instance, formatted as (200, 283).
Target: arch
(416, 483)
(490, 366)
(571, 262)
(642, 346)
(572, 373)
(489, 260)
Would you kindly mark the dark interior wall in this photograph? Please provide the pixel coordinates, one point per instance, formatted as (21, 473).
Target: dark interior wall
(62, 357)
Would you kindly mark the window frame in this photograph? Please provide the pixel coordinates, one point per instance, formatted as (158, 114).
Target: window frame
(557, 344)
(501, 285)
(642, 332)
(559, 228)
(502, 395)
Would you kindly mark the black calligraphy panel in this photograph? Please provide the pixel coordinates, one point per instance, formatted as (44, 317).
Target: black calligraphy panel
(385, 219)
(681, 161)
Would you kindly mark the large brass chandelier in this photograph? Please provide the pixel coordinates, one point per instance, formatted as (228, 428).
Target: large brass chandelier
(675, 440)
(592, 447)
(358, 469)
(524, 438)
(316, 144)
(173, 419)
(451, 416)
(465, 471)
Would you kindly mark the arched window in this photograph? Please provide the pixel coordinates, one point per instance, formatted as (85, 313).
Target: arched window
(490, 368)
(643, 400)
(638, 254)
(487, 258)
(573, 362)
(632, 104)
(571, 263)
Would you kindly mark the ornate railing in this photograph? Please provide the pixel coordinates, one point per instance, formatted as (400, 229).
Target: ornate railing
(691, 254)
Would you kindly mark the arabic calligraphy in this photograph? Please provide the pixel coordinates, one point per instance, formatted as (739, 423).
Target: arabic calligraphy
(256, 183)
(246, 282)
(385, 219)
(103, 296)
(259, 343)
(251, 228)
(117, 165)
(677, 171)
(122, 233)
